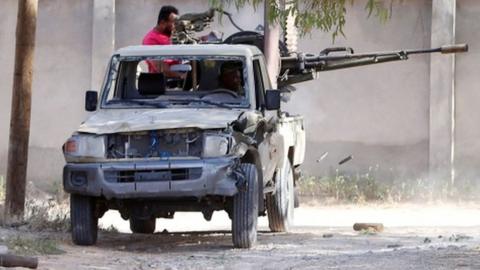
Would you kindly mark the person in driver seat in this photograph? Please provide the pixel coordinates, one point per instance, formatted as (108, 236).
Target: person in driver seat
(231, 77)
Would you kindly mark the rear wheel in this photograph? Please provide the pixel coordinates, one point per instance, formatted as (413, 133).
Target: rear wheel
(280, 204)
(83, 220)
(245, 210)
(146, 226)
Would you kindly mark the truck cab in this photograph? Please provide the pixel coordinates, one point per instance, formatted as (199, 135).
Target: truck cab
(184, 128)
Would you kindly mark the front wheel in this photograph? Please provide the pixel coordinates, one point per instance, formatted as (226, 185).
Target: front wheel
(245, 210)
(83, 220)
(280, 204)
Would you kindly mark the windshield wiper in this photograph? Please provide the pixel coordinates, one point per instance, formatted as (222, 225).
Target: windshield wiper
(192, 100)
(140, 102)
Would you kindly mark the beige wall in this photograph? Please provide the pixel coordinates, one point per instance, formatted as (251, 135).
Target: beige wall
(8, 17)
(378, 114)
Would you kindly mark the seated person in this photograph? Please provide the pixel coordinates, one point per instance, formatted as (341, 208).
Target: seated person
(231, 77)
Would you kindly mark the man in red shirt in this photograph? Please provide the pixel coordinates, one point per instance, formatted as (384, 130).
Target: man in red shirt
(160, 35)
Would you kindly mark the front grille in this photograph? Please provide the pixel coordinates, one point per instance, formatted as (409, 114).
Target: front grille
(155, 144)
(130, 176)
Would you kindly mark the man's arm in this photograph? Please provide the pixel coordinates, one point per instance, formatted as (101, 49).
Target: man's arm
(168, 73)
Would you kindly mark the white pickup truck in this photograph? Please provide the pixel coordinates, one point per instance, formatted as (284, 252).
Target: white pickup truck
(190, 138)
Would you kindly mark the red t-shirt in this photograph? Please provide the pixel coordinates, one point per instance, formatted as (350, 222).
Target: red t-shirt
(156, 38)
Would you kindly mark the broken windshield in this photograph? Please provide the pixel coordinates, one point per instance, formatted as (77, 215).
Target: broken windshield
(187, 81)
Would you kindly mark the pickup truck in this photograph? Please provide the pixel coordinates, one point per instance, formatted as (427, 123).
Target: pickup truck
(157, 143)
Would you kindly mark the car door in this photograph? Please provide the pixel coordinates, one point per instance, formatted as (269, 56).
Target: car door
(270, 142)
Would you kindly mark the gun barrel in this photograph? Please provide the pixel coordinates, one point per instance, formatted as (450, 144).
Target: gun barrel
(452, 48)
(295, 68)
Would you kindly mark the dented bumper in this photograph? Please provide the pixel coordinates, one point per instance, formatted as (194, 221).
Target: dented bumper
(171, 178)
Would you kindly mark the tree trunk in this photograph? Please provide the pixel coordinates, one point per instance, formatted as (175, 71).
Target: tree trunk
(20, 113)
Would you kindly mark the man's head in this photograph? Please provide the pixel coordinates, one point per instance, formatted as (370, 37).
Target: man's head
(166, 19)
(231, 76)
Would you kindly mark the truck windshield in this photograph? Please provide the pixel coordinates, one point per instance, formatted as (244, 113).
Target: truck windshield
(188, 81)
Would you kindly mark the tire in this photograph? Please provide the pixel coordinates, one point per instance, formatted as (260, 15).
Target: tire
(83, 220)
(245, 210)
(146, 226)
(280, 205)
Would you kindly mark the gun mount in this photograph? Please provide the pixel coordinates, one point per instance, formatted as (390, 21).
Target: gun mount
(296, 67)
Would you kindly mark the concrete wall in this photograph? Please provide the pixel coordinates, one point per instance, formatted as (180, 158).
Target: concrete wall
(378, 114)
(8, 19)
(61, 76)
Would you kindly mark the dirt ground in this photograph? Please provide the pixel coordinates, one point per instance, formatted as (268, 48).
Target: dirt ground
(415, 237)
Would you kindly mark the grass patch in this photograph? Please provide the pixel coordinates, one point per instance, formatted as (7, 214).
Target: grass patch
(343, 188)
(110, 229)
(368, 187)
(30, 246)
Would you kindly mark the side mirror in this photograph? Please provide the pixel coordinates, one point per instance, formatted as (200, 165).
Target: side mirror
(91, 101)
(272, 100)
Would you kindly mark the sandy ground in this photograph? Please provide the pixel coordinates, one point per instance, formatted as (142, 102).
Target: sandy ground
(415, 237)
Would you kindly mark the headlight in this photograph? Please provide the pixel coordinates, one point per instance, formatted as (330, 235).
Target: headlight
(215, 145)
(85, 146)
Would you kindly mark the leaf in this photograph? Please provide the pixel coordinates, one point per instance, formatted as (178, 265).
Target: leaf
(325, 15)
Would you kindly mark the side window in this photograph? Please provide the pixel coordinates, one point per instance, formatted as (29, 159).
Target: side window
(259, 85)
(111, 80)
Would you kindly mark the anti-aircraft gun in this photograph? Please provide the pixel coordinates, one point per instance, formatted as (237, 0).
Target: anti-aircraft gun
(301, 67)
(295, 67)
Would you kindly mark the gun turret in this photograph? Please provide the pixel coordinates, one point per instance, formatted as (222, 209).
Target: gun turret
(298, 67)
(301, 67)
(189, 23)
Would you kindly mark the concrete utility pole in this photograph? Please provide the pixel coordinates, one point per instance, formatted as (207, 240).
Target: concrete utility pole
(271, 51)
(103, 39)
(20, 114)
(442, 92)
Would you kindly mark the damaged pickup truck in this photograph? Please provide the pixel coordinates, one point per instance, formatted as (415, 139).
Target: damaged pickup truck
(209, 136)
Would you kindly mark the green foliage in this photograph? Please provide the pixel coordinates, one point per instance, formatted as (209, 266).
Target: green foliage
(326, 15)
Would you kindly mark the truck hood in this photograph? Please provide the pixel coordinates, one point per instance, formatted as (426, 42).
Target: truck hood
(126, 120)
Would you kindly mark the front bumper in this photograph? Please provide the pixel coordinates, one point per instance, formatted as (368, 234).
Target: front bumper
(171, 178)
